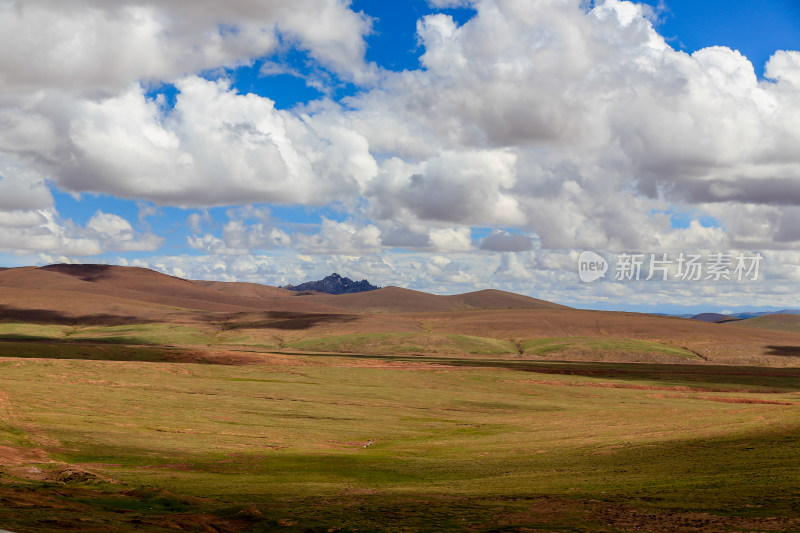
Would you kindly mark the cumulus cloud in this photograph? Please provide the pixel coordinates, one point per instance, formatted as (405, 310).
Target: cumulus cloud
(343, 238)
(116, 234)
(575, 124)
(238, 237)
(503, 241)
(457, 239)
(249, 228)
(405, 236)
(21, 190)
(604, 120)
(43, 231)
(39, 231)
(215, 147)
(92, 44)
(458, 187)
(784, 66)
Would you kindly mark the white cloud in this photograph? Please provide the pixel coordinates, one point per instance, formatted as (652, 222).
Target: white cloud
(458, 239)
(92, 44)
(460, 187)
(784, 66)
(215, 147)
(39, 231)
(112, 226)
(503, 241)
(19, 190)
(116, 234)
(581, 128)
(340, 238)
(249, 228)
(604, 119)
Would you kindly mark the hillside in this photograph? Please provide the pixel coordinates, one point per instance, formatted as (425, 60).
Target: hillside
(779, 322)
(144, 286)
(135, 305)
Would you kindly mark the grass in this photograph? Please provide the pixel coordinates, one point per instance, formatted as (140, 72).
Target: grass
(779, 322)
(456, 443)
(364, 343)
(403, 343)
(610, 345)
(452, 344)
(156, 334)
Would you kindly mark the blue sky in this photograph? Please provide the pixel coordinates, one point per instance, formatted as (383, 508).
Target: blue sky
(430, 144)
(756, 28)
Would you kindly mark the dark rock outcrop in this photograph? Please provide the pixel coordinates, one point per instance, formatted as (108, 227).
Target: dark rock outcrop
(334, 284)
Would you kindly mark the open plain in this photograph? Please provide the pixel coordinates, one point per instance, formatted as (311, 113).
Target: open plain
(134, 401)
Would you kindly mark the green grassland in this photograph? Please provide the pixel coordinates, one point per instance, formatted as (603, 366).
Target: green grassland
(601, 345)
(363, 343)
(114, 443)
(404, 343)
(155, 334)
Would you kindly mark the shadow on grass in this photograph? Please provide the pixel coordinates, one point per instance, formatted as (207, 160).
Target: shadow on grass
(775, 379)
(44, 316)
(32, 349)
(785, 351)
(287, 320)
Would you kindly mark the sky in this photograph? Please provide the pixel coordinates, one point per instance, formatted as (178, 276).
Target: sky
(440, 145)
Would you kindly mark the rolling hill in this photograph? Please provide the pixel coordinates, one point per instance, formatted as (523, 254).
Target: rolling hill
(92, 303)
(780, 322)
(147, 286)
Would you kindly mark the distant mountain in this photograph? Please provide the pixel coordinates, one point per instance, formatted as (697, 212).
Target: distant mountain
(717, 317)
(714, 317)
(781, 312)
(334, 284)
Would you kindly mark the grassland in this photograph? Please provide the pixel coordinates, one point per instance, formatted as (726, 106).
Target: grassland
(398, 343)
(404, 343)
(157, 334)
(134, 438)
(601, 345)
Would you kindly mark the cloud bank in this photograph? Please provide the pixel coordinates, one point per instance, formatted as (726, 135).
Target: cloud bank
(579, 127)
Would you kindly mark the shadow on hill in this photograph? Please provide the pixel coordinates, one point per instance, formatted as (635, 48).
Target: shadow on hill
(82, 272)
(44, 316)
(785, 351)
(287, 320)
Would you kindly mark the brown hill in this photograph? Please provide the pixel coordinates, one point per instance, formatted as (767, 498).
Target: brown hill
(247, 290)
(400, 300)
(131, 283)
(96, 294)
(126, 291)
(780, 322)
(496, 299)
(385, 300)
